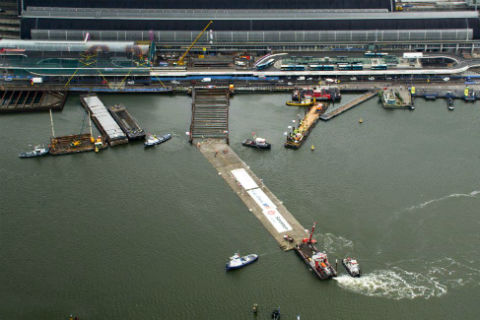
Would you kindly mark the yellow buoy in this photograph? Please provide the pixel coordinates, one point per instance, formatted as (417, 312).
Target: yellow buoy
(312, 147)
(360, 120)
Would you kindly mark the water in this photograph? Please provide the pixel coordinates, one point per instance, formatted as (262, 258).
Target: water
(143, 234)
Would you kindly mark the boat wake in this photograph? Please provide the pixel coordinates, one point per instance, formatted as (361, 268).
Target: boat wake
(394, 284)
(472, 194)
(397, 283)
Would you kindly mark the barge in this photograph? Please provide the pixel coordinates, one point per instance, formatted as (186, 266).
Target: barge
(297, 136)
(74, 143)
(316, 260)
(110, 130)
(126, 122)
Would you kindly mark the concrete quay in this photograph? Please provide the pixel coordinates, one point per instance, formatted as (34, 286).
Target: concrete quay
(272, 214)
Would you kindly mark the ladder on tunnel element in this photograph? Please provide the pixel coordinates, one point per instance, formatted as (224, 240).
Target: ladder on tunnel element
(209, 114)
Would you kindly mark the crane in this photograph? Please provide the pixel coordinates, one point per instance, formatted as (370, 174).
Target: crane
(180, 61)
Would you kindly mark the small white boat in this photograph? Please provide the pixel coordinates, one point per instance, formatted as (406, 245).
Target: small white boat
(352, 266)
(237, 262)
(151, 139)
(37, 151)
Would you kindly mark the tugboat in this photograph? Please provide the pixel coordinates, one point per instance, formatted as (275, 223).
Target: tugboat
(258, 143)
(152, 140)
(308, 102)
(276, 314)
(237, 262)
(352, 267)
(314, 258)
(37, 151)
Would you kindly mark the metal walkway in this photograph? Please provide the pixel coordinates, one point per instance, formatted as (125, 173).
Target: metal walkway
(209, 114)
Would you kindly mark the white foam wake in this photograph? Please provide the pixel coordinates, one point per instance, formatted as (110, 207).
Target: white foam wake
(472, 194)
(394, 284)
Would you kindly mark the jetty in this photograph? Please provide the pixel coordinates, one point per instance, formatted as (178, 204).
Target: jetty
(110, 130)
(333, 112)
(297, 136)
(260, 201)
(128, 124)
(26, 99)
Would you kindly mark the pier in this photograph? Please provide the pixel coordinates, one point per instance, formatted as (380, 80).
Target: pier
(260, 201)
(25, 100)
(103, 120)
(128, 124)
(350, 105)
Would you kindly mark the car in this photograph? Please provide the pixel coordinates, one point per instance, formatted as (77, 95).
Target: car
(353, 79)
(446, 79)
(371, 78)
(330, 80)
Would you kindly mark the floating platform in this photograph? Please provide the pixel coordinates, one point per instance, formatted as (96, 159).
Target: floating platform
(260, 201)
(396, 98)
(467, 94)
(74, 143)
(110, 130)
(297, 137)
(128, 124)
(350, 105)
(25, 100)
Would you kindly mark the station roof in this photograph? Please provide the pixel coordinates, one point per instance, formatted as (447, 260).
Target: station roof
(211, 14)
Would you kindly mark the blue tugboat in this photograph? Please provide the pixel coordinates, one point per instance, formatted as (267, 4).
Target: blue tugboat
(237, 262)
(38, 151)
(152, 140)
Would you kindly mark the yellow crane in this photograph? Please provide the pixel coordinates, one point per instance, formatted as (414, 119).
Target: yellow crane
(180, 61)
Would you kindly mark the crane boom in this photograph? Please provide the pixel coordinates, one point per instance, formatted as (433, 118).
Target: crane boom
(180, 61)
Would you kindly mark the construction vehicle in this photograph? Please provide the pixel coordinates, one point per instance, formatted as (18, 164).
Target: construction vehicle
(180, 61)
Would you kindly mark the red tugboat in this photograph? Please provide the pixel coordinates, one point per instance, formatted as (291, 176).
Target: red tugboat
(314, 258)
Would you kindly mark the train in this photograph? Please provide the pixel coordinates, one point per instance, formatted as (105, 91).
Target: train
(379, 67)
(321, 67)
(371, 54)
(265, 65)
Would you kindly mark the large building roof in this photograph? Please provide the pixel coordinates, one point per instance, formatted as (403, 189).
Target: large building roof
(274, 14)
(216, 4)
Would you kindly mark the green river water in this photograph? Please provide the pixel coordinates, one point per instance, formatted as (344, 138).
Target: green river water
(144, 234)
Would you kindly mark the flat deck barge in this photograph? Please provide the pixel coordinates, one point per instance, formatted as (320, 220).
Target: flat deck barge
(128, 124)
(315, 259)
(110, 130)
(74, 143)
(297, 136)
